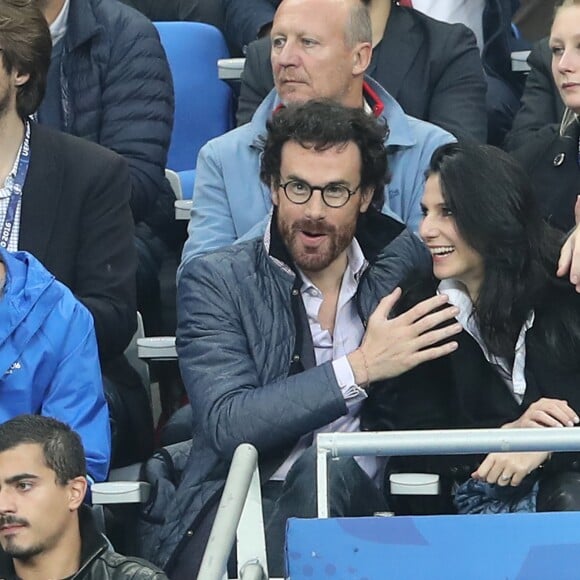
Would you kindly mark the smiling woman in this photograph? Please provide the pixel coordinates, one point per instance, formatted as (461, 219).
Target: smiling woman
(516, 364)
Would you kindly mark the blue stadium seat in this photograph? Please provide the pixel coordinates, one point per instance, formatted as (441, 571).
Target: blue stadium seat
(203, 102)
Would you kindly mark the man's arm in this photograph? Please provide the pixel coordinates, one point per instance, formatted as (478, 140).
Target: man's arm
(106, 257)
(541, 102)
(569, 262)
(458, 100)
(257, 80)
(76, 394)
(231, 401)
(244, 19)
(211, 225)
(138, 106)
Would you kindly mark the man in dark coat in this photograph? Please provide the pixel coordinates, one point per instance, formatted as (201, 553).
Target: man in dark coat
(109, 82)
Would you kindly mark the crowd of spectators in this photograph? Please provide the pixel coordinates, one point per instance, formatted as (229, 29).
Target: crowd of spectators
(361, 252)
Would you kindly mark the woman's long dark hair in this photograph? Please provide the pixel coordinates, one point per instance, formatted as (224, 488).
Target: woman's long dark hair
(494, 208)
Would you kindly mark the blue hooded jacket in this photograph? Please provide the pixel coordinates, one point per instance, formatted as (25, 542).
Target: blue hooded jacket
(49, 363)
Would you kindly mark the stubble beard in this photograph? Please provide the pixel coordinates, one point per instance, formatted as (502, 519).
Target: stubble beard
(22, 553)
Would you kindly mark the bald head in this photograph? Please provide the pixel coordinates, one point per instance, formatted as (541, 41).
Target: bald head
(321, 49)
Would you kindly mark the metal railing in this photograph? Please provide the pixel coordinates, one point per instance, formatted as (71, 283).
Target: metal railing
(445, 442)
(240, 510)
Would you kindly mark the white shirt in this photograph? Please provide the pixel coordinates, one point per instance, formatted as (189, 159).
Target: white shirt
(59, 27)
(514, 378)
(348, 333)
(5, 191)
(468, 12)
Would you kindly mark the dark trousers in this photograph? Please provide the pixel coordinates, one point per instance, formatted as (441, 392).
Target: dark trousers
(559, 492)
(351, 493)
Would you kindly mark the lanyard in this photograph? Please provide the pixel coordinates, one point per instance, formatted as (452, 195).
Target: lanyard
(16, 189)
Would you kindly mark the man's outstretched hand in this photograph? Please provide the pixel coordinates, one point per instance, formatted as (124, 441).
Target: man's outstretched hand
(569, 262)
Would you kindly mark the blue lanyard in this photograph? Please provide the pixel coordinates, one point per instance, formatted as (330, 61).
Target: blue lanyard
(16, 189)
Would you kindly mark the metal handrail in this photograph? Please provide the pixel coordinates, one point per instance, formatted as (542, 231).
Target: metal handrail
(447, 442)
(241, 481)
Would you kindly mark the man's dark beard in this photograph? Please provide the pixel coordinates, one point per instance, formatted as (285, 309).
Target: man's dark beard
(338, 239)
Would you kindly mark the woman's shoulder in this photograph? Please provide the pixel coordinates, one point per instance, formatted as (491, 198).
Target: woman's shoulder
(539, 146)
(557, 321)
(559, 299)
(415, 288)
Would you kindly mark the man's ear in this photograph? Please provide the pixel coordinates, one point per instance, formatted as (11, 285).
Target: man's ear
(366, 199)
(274, 192)
(20, 79)
(77, 488)
(361, 58)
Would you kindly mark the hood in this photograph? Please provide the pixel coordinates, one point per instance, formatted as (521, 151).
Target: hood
(30, 293)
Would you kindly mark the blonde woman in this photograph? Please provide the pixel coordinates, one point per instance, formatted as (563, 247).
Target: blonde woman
(552, 157)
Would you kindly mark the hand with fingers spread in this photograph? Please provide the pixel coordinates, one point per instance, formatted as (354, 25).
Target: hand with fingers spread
(569, 262)
(390, 347)
(509, 468)
(546, 413)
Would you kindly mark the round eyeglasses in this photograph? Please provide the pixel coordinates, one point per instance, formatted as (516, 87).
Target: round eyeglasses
(333, 194)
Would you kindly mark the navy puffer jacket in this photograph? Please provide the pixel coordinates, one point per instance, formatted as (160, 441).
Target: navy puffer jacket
(117, 91)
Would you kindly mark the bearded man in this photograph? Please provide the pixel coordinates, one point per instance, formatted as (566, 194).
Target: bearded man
(271, 334)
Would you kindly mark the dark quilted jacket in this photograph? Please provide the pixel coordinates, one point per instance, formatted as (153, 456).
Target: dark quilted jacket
(248, 364)
(117, 91)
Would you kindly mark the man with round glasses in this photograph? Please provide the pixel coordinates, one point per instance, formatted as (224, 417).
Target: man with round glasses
(271, 336)
(333, 194)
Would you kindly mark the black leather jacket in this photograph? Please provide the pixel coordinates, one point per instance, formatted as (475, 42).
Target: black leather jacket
(98, 562)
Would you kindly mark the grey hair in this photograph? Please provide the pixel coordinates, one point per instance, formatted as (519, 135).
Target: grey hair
(359, 28)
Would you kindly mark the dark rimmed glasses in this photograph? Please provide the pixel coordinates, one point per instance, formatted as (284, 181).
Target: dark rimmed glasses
(333, 195)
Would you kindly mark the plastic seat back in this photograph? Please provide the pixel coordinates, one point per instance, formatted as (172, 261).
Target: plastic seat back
(203, 102)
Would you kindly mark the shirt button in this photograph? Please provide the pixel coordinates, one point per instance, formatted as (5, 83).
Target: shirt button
(190, 533)
(296, 358)
(294, 292)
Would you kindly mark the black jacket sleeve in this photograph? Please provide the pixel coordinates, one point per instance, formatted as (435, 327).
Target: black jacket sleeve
(541, 102)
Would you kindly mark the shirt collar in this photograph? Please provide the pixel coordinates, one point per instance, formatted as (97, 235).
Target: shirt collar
(382, 105)
(372, 103)
(59, 27)
(459, 297)
(356, 265)
(5, 188)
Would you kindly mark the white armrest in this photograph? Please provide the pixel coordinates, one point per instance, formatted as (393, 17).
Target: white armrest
(520, 61)
(230, 68)
(182, 209)
(111, 492)
(156, 347)
(175, 183)
(414, 483)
